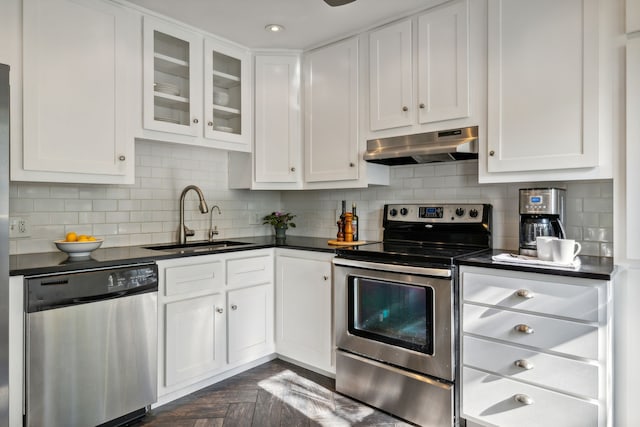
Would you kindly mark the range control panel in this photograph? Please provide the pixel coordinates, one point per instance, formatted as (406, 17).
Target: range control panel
(436, 213)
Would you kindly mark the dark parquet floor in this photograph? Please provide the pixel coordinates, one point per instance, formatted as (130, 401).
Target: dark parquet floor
(274, 394)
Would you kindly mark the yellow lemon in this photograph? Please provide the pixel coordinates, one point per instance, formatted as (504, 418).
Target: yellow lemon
(71, 237)
(83, 238)
(91, 239)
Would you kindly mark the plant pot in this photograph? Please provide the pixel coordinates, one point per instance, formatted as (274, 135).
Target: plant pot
(281, 232)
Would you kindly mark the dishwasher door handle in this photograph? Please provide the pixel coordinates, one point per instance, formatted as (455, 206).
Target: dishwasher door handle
(95, 298)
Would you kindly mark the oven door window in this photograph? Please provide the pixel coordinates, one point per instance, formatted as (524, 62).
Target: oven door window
(394, 313)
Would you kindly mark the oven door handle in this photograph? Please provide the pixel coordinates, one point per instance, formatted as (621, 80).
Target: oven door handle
(406, 269)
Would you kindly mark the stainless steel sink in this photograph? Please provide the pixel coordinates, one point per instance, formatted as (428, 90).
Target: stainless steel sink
(193, 247)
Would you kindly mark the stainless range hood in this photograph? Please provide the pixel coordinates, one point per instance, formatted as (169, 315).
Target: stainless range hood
(442, 146)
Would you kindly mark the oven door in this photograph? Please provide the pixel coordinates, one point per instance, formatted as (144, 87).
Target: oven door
(400, 315)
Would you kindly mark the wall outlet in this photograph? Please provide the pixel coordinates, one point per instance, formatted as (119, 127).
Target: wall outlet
(19, 227)
(254, 218)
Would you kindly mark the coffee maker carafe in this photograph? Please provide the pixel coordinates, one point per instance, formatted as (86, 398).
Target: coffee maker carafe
(541, 214)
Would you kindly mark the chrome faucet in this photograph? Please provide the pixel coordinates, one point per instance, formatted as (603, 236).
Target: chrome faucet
(183, 231)
(213, 231)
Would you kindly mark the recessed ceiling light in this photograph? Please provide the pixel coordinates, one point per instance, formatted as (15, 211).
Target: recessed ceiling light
(274, 28)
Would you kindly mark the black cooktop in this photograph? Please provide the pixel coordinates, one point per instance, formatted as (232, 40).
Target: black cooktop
(428, 234)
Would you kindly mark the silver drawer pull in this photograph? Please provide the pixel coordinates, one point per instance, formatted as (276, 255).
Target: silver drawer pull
(524, 293)
(220, 310)
(524, 399)
(525, 329)
(234, 307)
(524, 364)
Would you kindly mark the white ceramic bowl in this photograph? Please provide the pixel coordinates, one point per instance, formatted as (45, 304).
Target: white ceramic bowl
(220, 98)
(78, 249)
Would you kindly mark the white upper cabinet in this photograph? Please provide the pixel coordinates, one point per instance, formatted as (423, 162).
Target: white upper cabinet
(443, 63)
(227, 94)
(633, 149)
(77, 93)
(428, 72)
(278, 140)
(195, 87)
(331, 112)
(391, 84)
(545, 90)
(172, 79)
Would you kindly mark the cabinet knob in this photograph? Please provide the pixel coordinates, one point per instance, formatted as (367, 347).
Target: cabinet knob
(210, 124)
(220, 310)
(525, 329)
(421, 105)
(524, 293)
(122, 158)
(524, 364)
(234, 307)
(351, 164)
(195, 121)
(292, 169)
(405, 108)
(325, 277)
(492, 153)
(524, 399)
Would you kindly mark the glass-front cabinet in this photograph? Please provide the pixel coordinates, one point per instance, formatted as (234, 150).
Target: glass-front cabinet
(195, 86)
(226, 92)
(171, 80)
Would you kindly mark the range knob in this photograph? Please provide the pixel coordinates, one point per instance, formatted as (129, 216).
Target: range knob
(404, 211)
(473, 213)
(393, 212)
(459, 211)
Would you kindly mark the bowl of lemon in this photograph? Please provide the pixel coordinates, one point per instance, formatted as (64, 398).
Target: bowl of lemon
(76, 245)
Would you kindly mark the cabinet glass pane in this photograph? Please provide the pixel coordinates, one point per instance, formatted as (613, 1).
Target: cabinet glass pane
(227, 93)
(171, 79)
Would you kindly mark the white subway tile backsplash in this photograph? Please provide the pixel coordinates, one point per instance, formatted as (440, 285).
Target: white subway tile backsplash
(147, 212)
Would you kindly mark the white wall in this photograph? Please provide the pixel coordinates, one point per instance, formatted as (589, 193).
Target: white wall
(589, 204)
(147, 212)
(143, 213)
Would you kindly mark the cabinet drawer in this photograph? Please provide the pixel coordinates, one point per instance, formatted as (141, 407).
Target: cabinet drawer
(193, 278)
(250, 270)
(548, 334)
(548, 297)
(560, 373)
(492, 399)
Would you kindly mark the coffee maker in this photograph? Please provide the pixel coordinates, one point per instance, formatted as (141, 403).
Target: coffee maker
(541, 214)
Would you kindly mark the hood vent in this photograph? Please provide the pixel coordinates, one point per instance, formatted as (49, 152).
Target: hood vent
(442, 146)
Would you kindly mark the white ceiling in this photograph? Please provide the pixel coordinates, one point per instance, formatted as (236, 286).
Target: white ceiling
(308, 23)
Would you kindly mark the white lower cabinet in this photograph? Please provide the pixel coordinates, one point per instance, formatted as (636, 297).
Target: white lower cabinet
(535, 349)
(215, 314)
(304, 308)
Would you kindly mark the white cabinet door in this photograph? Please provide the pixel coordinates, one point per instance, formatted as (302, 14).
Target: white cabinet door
(303, 309)
(277, 123)
(391, 84)
(172, 79)
(633, 148)
(194, 337)
(632, 14)
(76, 91)
(543, 85)
(443, 63)
(331, 112)
(227, 94)
(250, 322)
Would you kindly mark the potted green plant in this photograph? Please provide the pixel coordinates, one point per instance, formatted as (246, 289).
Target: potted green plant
(280, 221)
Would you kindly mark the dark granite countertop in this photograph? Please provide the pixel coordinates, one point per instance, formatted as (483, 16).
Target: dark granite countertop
(591, 267)
(59, 262)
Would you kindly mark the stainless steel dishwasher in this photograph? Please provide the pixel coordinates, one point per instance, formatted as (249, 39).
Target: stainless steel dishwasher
(91, 346)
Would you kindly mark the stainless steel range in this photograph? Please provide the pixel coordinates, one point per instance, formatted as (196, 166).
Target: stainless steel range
(396, 310)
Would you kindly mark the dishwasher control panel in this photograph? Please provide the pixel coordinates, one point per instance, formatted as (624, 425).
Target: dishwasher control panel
(88, 286)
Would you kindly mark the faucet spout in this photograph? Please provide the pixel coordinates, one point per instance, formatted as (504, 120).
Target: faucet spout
(213, 231)
(183, 231)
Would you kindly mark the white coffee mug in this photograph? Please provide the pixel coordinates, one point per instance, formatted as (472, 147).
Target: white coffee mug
(544, 248)
(565, 250)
